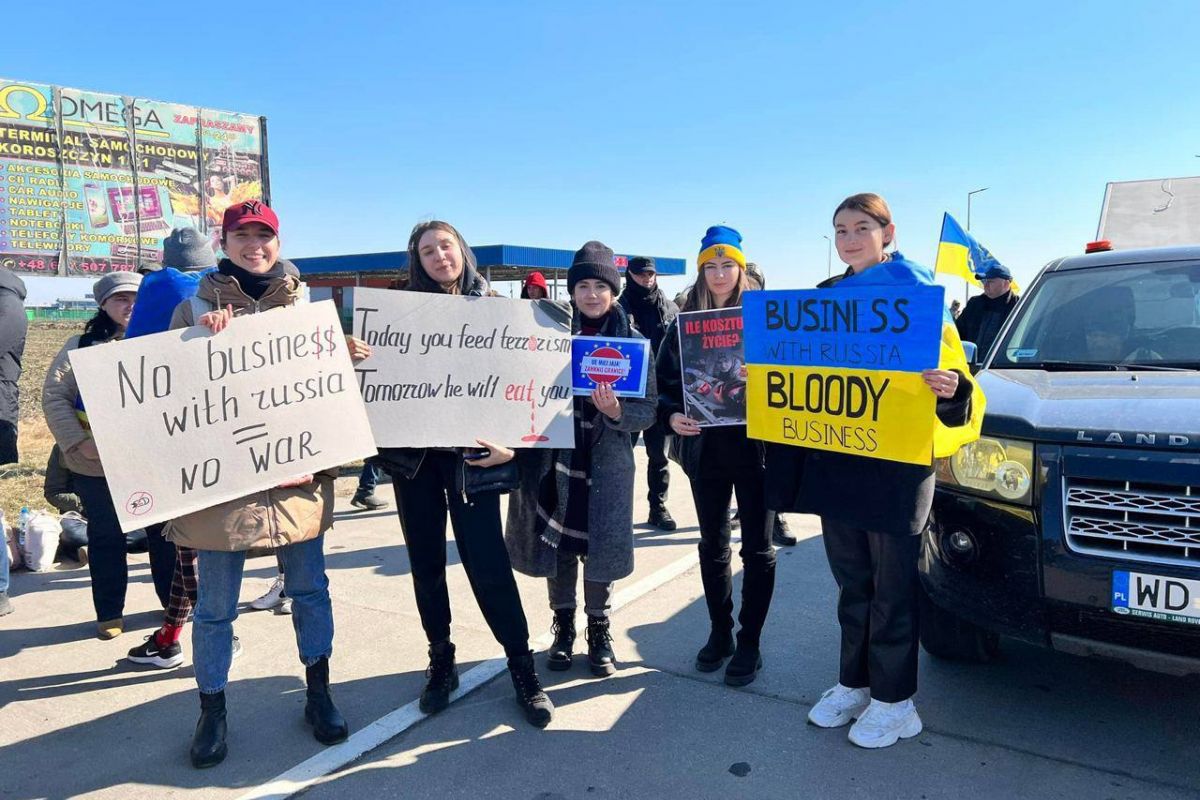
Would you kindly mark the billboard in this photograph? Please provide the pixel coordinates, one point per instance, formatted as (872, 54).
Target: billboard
(92, 183)
(1155, 213)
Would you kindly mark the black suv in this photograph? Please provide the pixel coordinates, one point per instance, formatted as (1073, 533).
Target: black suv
(1074, 522)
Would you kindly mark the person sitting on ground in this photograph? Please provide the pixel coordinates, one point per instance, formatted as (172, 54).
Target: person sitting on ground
(59, 492)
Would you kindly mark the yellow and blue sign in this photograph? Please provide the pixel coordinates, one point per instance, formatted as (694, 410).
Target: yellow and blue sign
(619, 363)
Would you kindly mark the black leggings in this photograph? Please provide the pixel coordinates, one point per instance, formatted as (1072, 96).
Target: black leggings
(422, 503)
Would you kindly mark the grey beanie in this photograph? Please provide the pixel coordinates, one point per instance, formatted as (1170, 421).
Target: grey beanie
(594, 260)
(115, 282)
(187, 249)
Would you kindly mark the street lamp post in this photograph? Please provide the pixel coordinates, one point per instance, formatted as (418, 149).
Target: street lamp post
(967, 291)
(828, 256)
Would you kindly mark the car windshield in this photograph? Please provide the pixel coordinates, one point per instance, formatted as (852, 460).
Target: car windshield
(1140, 316)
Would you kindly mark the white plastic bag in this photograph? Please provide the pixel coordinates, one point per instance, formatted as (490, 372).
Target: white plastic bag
(41, 541)
(10, 541)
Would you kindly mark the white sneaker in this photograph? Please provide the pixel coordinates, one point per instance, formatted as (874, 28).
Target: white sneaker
(271, 598)
(284, 607)
(838, 706)
(883, 724)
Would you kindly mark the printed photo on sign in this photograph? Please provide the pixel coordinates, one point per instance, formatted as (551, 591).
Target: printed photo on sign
(448, 370)
(618, 363)
(187, 419)
(840, 369)
(713, 366)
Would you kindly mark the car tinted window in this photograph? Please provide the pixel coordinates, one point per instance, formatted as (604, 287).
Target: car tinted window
(1136, 314)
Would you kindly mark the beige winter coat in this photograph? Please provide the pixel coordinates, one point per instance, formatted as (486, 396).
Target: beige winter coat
(58, 405)
(273, 517)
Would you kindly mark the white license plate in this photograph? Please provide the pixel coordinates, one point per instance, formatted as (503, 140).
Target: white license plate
(1156, 597)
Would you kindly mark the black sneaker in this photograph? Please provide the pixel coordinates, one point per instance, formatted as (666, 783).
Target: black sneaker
(601, 658)
(367, 502)
(149, 652)
(661, 518)
(780, 535)
(530, 697)
(441, 678)
(559, 656)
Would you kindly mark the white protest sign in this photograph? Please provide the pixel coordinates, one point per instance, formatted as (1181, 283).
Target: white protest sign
(447, 370)
(188, 419)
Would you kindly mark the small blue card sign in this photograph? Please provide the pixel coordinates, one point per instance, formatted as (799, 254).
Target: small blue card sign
(620, 363)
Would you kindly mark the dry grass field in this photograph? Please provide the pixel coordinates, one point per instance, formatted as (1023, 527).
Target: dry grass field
(21, 485)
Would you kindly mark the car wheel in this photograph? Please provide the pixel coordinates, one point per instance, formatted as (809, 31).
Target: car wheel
(945, 635)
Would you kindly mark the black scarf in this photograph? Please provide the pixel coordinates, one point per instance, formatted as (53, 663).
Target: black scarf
(254, 284)
(650, 309)
(562, 520)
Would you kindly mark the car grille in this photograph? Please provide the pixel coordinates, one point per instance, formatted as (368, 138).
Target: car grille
(1134, 521)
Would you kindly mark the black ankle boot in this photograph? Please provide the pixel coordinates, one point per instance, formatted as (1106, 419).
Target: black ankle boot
(208, 742)
(441, 677)
(559, 655)
(662, 519)
(744, 666)
(718, 648)
(530, 697)
(328, 724)
(600, 653)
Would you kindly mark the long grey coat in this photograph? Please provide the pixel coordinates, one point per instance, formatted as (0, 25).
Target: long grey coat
(610, 502)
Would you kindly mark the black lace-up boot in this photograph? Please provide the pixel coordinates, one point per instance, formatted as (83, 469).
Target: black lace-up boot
(441, 677)
(559, 656)
(600, 653)
(530, 697)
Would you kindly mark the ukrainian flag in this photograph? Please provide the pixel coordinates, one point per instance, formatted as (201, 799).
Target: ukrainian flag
(959, 254)
(899, 271)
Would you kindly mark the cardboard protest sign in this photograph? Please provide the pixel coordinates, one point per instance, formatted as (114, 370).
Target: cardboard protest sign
(620, 363)
(840, 369)
(447, 370)
(188, 419)
(713, 366)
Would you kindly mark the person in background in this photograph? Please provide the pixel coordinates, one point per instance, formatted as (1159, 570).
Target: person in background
(534, 287)
(66, 416)
(13, 326)
(368, 479)
(984, 315)
(576, 504)
(651, 313)
(59, 491)
(780, 533)
(956, 308)
(872, 514)
(719, 462)
(428, 492)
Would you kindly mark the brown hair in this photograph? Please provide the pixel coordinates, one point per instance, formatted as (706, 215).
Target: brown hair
(418, 278)
(870, 204)
(700, 298)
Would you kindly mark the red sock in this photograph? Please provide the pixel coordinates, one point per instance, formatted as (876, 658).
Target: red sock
(168, 634)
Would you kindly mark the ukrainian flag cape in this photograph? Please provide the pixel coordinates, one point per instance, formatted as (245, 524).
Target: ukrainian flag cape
(899, 271)
(961, 255)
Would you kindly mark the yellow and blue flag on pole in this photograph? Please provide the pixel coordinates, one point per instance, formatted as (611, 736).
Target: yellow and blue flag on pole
(960, 254)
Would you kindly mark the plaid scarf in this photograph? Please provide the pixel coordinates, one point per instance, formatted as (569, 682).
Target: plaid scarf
(562, 518)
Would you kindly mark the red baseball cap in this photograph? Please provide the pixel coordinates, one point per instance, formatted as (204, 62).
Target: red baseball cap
(241, 214)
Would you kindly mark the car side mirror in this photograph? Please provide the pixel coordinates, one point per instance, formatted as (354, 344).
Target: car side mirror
(971, 350)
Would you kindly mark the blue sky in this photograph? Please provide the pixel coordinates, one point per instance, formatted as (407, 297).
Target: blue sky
(640, 124)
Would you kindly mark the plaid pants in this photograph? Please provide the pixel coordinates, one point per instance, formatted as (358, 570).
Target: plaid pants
(183, 588)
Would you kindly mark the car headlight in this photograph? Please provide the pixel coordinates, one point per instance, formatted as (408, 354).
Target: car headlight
(1000, 468)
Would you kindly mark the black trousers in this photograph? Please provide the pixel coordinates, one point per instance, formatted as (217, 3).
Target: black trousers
(658, 477)
(162, 562)
(422, 503)
(876, 574)
(712, 496)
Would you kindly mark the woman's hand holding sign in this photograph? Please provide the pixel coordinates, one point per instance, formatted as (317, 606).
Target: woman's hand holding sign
(943, 382)
(684, 425)
(606, 401)
(493, 455)
(218, 320)
(359, 350)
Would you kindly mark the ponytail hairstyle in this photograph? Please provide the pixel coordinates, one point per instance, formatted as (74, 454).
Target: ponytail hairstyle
(873, 206)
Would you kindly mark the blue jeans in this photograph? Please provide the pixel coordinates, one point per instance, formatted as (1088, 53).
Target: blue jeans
(368, 479)
(219, 575)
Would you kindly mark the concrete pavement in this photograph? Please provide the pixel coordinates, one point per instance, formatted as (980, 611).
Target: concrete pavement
(77, 720)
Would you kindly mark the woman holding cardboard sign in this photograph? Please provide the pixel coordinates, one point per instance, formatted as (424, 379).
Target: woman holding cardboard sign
(720, 461)
(577, 504)
(872, 513)
(433, 483)
(292, 517)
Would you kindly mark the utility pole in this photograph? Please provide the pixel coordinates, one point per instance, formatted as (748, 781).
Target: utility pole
(967, 292)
